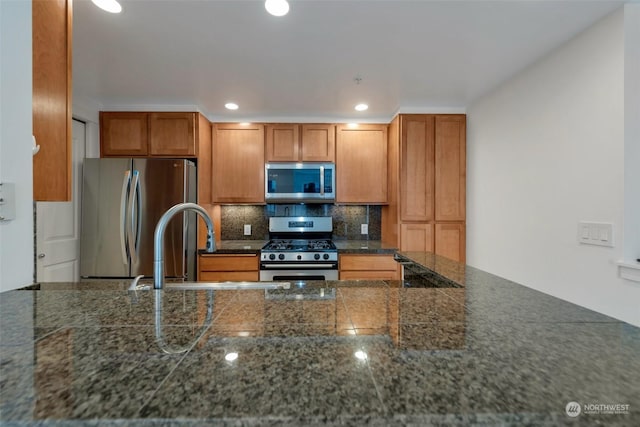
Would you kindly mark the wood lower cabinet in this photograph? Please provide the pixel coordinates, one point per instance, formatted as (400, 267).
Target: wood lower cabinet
(51, 55)
(361, 164)
(238, 163)
(228, 267)
(295, 143)
(144, 134)
(446, 239)
(417, 237)
(368, 266)
(450, 241)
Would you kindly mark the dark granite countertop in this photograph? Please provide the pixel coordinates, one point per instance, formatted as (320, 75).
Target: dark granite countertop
(344, 246)
(486, 352)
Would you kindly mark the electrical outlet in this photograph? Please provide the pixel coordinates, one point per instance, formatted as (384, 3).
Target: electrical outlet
(364, 228)
(247, 229)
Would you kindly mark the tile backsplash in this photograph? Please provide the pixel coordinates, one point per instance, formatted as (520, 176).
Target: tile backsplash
(346, 219)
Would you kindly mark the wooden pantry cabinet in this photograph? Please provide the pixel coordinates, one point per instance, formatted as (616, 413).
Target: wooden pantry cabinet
(51, 55)
(368, 267)
(228, 267)
(145, 134)
(428, 179)
(300, 142)
(361, 164)
(238, 163)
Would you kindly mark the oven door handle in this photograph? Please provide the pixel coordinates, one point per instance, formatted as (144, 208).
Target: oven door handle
(300, 265)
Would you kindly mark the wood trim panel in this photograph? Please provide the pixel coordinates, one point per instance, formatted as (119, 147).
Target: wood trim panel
(450, 168)
(390, 212)
(204, 159)
(52, 31)
(369, 275)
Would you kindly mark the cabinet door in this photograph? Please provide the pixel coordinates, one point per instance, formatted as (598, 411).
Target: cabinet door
(416, 237)
(124, 134)
(51, 37)
(361, 164)
(238, 163)
(172, 134)
(318, 143)
(451, 169)
(417, 168)
(450, 241)
(283, 143)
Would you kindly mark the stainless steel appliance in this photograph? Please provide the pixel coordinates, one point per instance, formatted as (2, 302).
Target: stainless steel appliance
(300, 248)
(122, 201)
(300, 182)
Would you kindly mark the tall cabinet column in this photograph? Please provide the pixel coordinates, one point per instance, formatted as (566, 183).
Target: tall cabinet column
(427, 167)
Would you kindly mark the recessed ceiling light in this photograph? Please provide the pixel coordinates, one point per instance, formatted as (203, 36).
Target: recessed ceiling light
(231, 106)
(277, 7)
(361, 107)
(109, 5)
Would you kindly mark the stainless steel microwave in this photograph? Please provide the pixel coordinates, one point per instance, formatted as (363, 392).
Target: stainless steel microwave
(300, 182)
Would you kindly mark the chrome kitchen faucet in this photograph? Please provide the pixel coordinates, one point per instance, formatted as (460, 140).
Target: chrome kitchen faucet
(158, 238)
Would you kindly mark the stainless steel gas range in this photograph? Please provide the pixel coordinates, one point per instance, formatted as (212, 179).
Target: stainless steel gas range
(300, 248)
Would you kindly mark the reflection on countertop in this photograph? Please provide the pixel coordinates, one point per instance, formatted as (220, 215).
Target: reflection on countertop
(320, 353)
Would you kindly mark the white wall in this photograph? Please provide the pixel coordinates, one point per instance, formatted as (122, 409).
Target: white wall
(16, 162)
(632, 131)
(546, 150)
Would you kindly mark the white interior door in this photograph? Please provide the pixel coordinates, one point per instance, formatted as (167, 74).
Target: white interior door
(58, 225)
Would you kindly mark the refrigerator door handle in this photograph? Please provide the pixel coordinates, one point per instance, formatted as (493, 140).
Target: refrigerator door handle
(139, 219)
(123, 216)
(132, 235)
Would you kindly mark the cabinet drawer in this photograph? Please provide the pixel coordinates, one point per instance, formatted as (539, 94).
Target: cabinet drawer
(228, 276)
(234, 262)
(367, 262)
(369, 275)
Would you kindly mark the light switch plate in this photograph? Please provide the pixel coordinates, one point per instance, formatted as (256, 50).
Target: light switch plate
(364, 228)
(247, 229)
(595, 233)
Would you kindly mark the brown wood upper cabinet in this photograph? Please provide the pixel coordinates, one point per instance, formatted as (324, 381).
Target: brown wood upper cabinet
(51, 32)
(238, 163)
(361, 164)
(162, 134)
(295, 142)
(450, 168)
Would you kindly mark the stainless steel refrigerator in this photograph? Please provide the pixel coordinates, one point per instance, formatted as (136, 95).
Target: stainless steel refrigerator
(122, 201)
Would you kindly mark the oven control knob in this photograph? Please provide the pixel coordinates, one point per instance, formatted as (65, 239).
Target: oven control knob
(299, 257)
(281, 257)
(325, 256)
(316, 256)
(272, 256)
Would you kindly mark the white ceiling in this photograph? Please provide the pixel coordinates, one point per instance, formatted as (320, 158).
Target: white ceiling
(412, 56)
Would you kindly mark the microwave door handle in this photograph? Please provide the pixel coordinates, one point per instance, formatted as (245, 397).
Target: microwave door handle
(322, 180)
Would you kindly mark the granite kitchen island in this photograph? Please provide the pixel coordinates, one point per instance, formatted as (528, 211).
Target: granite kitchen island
(452, 346)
